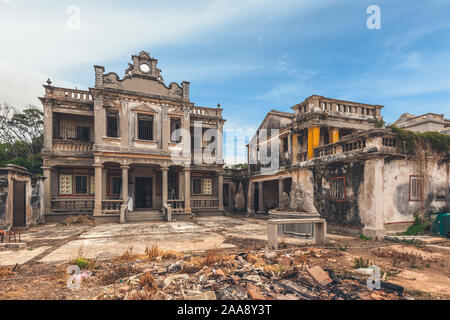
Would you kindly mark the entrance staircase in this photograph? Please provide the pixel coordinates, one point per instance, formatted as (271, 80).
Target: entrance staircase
(142, 216)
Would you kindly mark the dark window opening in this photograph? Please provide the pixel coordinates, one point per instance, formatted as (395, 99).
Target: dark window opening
(337, 189)
(116, 185)
(175, 128)
(112, 124)
(83, 133)
(197, 186)
(81, 185)
(285, 145)
(145, 127)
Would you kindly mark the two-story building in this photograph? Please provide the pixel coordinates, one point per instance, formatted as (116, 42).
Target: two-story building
(359, 175)
(124, 149)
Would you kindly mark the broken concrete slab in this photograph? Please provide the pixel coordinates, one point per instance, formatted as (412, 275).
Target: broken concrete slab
(419, 239)
(320, 275)
(10, 258)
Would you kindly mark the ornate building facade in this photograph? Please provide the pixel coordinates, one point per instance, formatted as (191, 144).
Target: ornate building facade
(127, 149)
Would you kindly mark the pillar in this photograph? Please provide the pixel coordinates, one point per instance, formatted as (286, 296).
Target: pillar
(187, 190)
(250, 197)
(47, 189)
(219, 157)
(164, 171)
(48, 127)
(98, 210)
(260, 197)
(313, 140)
(280, 190)
(295, 148)
(181, 185)
(334, 135)
(221, 191)
(125, 183)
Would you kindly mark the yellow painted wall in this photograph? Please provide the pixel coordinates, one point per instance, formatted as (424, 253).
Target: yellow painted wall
(334, 135)
(313, 140)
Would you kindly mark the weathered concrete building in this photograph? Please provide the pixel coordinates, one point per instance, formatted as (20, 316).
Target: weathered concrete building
(116, 150)
(358, 174)
(21, 195)
(426, 122)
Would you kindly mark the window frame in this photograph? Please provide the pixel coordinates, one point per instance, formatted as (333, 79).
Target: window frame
(193, 187)
(107, 127)
(180, 121)
(344, 185)
(74, 184)
(153, 133)
(203, 186)
(422, 184)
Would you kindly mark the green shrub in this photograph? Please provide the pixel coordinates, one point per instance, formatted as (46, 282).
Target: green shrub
(420, 226)
(82, 263)
(361, 263)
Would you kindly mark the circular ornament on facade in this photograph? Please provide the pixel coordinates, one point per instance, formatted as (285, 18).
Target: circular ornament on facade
(145, 68)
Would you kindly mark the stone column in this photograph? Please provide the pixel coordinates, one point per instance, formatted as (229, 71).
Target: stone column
(98, 210)
(280, 190)
(48, 127)
(181, 185)
(250, 197)
(334, 135)
(165, 130)
(220, 143)
(187, 190)
(260, 197)
(220, 191)
(47, 190)
(164, 171)
(125, 183)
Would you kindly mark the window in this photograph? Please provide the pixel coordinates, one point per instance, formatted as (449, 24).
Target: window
(416, 188)
(81, 185)
(285, 145)
(337, 189)
(65, 184)
(145, 127)
(207, 186)
(112, 123)
(116, 185)
(197, 186)
(83, 133)
(175, 126)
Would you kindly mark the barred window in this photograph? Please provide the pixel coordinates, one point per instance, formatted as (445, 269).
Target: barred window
(197, 186)
(81, 185)
(83, 133)
(207, 186)
(112, 124)
(116, 185)
(175, 126)
(416, 188)
(145, 127)
(91, 185)
(337, 189)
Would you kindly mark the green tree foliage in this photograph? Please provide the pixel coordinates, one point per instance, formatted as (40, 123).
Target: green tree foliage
(21, 137)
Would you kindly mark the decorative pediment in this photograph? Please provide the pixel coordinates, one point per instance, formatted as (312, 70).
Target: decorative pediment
(145, 108)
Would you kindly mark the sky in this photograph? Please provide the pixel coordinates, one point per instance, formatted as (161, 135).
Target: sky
(251, 56)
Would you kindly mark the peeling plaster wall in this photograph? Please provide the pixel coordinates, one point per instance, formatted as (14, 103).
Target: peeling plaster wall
(397, 206)
(346, 212)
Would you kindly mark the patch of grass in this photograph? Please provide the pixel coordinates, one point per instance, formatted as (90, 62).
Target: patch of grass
(127, 256)
(154, 253)
(4, 272)
(118, 272)
(359, 263)
(212, 256)
(83, 263)
(420, 226)
(148, 283)
(343, 248)
(364, 238)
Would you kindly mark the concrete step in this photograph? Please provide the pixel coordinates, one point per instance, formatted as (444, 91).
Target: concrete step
(138, 216)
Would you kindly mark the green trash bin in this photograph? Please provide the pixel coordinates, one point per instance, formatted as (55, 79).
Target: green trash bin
(441, 225)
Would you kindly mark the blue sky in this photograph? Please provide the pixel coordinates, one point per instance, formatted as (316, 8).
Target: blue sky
(250, 56)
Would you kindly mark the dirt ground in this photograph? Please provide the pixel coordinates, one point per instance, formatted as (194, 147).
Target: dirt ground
(214, 258)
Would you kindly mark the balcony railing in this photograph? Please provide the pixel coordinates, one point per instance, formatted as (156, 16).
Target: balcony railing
(208, 112)
(72, 146)
(177, 205)
(70, 94)
(204, 203)
(111, 206)
(73, 205)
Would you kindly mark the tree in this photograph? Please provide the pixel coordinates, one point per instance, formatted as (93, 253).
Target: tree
(21, 137)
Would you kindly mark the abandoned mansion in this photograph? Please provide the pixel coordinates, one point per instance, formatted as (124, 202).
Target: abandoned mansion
(134, 149)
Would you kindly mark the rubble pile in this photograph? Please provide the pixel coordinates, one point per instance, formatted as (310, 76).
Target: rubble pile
(259, 276)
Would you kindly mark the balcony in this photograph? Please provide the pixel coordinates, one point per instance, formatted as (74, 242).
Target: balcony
(204, 203)
(206, 112)
(72, 146)
(73, 205)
